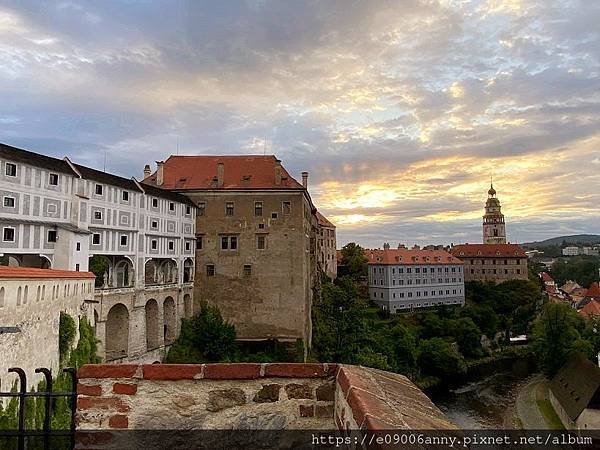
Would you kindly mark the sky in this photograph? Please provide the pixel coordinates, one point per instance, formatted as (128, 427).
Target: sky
(400, 110)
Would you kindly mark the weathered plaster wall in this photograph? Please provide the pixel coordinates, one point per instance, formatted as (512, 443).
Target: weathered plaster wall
(37, 317)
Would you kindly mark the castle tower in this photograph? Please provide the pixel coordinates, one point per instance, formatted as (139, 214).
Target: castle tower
(494, 229)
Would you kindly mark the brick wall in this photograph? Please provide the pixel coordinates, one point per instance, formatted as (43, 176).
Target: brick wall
(247, 396)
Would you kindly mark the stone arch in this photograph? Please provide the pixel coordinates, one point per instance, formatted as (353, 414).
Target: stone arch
(187, 306)
(151, 272)
(170, 324)
(152, 336)
(117, 332)
(169, 271)
(188, 270)
(124, 273)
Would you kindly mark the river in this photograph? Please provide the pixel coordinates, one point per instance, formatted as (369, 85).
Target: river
(484, 404)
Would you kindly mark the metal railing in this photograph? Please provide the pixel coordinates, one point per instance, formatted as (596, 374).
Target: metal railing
(36, 439)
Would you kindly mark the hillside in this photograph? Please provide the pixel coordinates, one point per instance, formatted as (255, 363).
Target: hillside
(557, 241)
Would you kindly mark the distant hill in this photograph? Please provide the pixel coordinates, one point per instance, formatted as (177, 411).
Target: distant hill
(574, 239)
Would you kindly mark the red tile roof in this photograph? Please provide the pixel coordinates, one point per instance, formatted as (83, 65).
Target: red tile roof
(488, 251)
(323, 221)
(546, 278)
(240, 172)
(410, 256)
(592, 308)
(593, 291)
(30, 272)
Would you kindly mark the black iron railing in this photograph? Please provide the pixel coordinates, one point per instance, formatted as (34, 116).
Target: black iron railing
(22, 438)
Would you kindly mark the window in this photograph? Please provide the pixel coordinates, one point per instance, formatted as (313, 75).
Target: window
(99, 189)
(261, 242)
(229, 209)
(287, 207)
(53, 179)
(11, 170)
(261, 226)
(8, 235)
(123, 240)
(52, 236)
(228, 242)
(210, 270)
(125, 196)
(96, 239)
(78, 247)
(171, 245)
(188, 210)
(187, 247)
(154, 244)
(98, 215)
(171, 206)
(274, 215)
(76, 267)
(201, 209)
(155, 203)
(258, 209)
(9, 202)
(247, 270)
(154, 224)
(199, 242)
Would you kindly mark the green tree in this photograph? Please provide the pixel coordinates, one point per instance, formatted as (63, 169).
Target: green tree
(355, 261)
(582, 269)
(556, 335)
(206, 337)
(440, 358)
(99, 266)
(468, 338)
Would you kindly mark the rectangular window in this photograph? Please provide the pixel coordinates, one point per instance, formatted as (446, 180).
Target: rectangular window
(229, 209)
(261, 242)
(99, 189)
(52, 235)
(258, 209)
(287, 207)
(78, 247)
(210, 270)
(8, 235)
(98, 215)
(274, 215)
(188, 210)
(53, 179)
(155, 203)
(154, 224)
(171, 206)
(11, 170)
(228, 242)
(187, 247)
(199, 242)
(201, 209)
(154, 244)
(247, 270)
(9, 202)
(76, 267)
(171, 245)
(96, 239)
(123, 240)
(125, 196)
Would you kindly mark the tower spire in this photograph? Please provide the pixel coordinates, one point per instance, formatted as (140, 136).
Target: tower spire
(494, 229)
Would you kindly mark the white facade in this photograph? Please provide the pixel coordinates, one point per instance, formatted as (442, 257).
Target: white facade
(401, 287)
(570, 251)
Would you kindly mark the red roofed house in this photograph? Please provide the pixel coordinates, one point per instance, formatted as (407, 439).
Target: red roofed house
(591, 309)
(404, 279)
(492, 262)
(593, 293)
(31, 301)
(258, 239)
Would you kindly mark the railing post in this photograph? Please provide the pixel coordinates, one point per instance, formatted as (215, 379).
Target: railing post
(47, 405)
(71, 371)
(22, 391)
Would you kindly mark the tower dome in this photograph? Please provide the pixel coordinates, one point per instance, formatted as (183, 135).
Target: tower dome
(494, 228)
(492, 191)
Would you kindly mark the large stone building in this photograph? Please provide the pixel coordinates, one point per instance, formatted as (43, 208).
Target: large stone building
(31, 301)
(494, 260)
(61, 215)
(403, 279)
(494, 228)
(257, 249)
(327, 246)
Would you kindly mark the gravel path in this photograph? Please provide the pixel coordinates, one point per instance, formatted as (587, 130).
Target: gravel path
(530, 416)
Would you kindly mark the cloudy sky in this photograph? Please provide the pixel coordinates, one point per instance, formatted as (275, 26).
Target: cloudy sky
(400, 110)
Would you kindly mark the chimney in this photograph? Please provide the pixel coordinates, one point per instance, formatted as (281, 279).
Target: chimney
(305, 180)
(160, 173)
(277, 172)
(147, 171)
(386, 246)
(220, 174)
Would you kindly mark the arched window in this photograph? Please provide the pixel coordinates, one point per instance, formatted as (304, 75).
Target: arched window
(19, 296)
(25, 295)
(1, 297)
